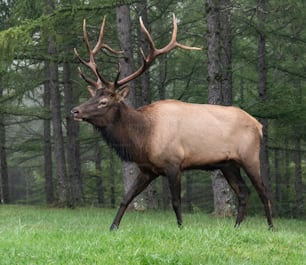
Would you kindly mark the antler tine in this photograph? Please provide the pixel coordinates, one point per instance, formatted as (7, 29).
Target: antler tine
(173, 43)
(79, 57)
(174, 32)
(88, 80)
(100, 44)
(92, 66)
(116, 85)
(147, 34)
(91, 63)
(85, 36)
(147, 60)
(95, 84)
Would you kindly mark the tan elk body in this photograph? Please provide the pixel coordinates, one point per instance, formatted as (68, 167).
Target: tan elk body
(195, 135)
(169, 136)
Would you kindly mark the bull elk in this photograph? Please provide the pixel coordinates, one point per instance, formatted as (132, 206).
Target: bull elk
(169, 136)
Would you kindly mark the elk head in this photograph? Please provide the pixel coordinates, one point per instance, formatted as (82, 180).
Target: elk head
(106, 94)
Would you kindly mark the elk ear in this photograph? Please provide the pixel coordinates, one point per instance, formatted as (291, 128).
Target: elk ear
(124, 92)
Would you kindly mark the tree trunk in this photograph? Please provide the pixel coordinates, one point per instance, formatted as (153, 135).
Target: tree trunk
(213, 52)
(162, 95)
(162, 66)
(287, 180)
(278, 179)
(49, 188)
(98, 173)
(299, 197)
(4, 185)
(73, 145)
(150, 198)
(129, 170)
(60, 161)
(112, 179)
(223, 196)
(143, 43)
(226, 52)
(262, 90)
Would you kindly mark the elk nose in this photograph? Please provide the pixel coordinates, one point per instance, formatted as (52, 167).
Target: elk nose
(76, 114)
(74, 111)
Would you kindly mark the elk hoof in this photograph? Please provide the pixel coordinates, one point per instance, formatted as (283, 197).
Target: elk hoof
(113, 227)
(237, 225)
(180, 225)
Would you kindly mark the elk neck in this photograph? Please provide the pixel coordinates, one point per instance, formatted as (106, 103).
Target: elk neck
(127, 132)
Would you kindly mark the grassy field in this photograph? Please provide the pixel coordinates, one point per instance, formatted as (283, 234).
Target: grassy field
(37, 235)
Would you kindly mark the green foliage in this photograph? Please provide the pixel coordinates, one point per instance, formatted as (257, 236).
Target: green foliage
(16, 39)
(25, 29)
(33, 235)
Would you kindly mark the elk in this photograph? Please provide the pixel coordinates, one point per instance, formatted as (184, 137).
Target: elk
(169, 136)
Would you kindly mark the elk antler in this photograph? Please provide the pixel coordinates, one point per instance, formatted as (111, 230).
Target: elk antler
(91, 63)
(147, 60)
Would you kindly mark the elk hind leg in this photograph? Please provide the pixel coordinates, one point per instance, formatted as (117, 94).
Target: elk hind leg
(174, 180)
(257, 182)
(232, 174)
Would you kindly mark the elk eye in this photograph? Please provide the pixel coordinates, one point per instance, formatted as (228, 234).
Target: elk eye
(103, 103)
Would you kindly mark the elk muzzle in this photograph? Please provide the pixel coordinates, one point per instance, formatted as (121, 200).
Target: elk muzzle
(75, 112)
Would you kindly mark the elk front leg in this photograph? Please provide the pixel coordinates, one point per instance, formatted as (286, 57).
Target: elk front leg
(140, 183)
(174, 179)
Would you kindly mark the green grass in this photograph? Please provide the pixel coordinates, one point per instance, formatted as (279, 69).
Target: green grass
(37, 235)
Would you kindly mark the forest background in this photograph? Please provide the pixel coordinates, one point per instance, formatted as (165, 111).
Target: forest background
(46, 157)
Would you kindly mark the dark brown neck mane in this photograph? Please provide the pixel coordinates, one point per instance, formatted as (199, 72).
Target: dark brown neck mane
(125, 132)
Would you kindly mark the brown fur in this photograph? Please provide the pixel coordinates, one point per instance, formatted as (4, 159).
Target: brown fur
(169, 136)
